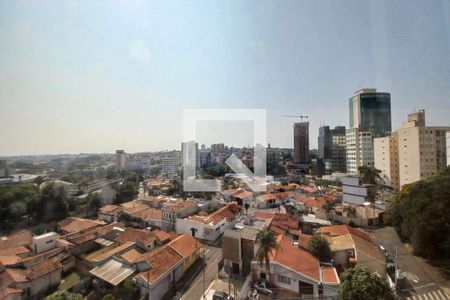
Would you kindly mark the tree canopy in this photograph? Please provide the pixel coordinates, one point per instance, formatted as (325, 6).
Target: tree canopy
(358, 283)
(320, 247)
(15, 202)
(53, 204)
(64, 296)
(268, 243)
(369, 175)
(420, 214)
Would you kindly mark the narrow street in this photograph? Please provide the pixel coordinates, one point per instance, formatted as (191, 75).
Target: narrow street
(422, 280)
(201, 282)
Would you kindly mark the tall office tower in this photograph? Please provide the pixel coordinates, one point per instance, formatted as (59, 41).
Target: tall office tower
(370, 116)
(169, 166)
(3, 168)
(301, 143)
(386, 159)
(447, 134)
(421, 150)
(121, 158)
(190, 154)
(332, 148)
(324, 142)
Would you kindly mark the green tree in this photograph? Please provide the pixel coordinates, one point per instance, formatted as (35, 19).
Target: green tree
(17, 201)
(126, 191)
(64, 296)
(268, 243)
(358, 283)
(320, 247)
(329, 208)
(369, 175)
(94, 201)
(108, 297)
(53, 203)
(420, 214)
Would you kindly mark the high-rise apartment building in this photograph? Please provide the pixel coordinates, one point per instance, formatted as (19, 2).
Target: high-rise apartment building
(332, 144)
(190, 154)
(421, 151)
(121, 158)
(370, 116)
(169, 166)
(301, 143)
(386, 159)
(447, 134)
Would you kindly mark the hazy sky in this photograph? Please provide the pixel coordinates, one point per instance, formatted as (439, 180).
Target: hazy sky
(94, 76)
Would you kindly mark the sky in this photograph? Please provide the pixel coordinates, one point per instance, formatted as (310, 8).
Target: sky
(95, 76)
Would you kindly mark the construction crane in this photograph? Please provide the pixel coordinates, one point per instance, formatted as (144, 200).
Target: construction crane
(301, 117)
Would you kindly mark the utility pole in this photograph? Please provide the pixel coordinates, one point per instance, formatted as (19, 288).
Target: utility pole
(204, 274)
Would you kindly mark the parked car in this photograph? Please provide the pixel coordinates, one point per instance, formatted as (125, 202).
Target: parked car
(262, 288)
(220, 295)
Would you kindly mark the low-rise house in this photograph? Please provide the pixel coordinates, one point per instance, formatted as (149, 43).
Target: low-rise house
(73, 225)
(269, 200)
(111, 273)
(109, 213)
(158, 271)
(209, 227)
(143, 239)
(29, 282)
(240, 196)
(366, 215)
(188, 247)
(296, 271)
(172, 211)
(352, 246)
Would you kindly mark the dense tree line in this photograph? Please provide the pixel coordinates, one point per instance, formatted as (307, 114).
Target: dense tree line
(18, 201)
(420, 214)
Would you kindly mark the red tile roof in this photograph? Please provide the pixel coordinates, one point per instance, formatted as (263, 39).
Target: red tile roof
(113, 210)
(160, 260)
(185, 245)
(133, 235)
(74, 225)
(113, 251)
(336, 230)
(43, 268)
(21, 238)
(131, 255)
(329, 275)
(296, 258)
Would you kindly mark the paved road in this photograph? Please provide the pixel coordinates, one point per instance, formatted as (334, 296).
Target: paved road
(422, 281)
(213, 256)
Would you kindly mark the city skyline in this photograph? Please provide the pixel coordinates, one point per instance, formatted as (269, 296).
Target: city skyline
(97, 77)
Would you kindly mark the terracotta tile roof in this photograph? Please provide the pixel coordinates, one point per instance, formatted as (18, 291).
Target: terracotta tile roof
(93, 233)
(263, 214)
(133, 235)
(228, 212)
(74, 225)
(185, 245)
(162, 236)
(131, 255)
(308, 189)
(14, 251)
(21, 238)
(296, 258)
(179, 205)
(267, 197)
(4, 293)
(329, 276)
(336, 230)
(10, 260)
(160, 260)
(148, 214)
(43, 268)
(113, 210)
(113, 251)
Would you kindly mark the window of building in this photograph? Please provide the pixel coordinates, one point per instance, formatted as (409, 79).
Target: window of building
(283, 279)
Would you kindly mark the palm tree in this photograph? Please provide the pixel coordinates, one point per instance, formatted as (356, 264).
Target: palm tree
(268, 243)
(369, 175)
